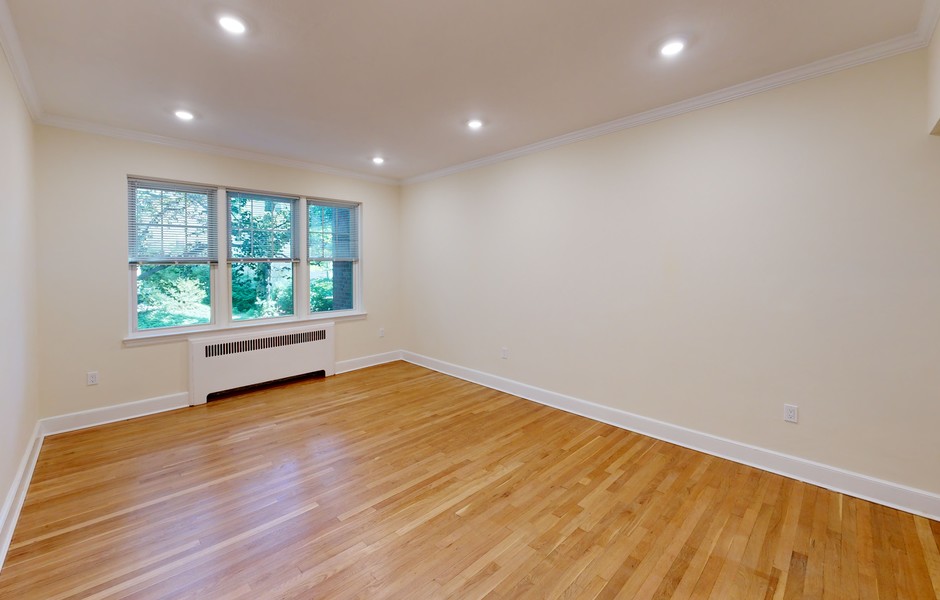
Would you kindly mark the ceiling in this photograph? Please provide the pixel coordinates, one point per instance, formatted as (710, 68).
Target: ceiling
(330, 84)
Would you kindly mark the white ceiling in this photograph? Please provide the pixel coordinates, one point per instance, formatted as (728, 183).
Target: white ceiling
(333, 82)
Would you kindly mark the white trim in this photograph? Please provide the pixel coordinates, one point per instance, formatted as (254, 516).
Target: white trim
(13, 504)
(262, 325)
(898, 45)
(152, 138)
(888, 493)
(111, 414)
(354, 364)
(920, 38)
(11, 47)
(929, 18)
(839, 480)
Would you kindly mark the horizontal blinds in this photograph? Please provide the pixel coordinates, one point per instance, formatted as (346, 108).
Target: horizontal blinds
(170, 222)
(261, 227)
(332, 231)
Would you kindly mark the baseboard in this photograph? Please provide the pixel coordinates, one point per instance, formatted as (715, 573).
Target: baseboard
(13, 503)
(111, 414)
(131, 410)
(354, 364)
(839, 480)
(888, 493)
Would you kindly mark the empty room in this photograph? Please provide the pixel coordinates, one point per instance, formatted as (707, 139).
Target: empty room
(448, 299)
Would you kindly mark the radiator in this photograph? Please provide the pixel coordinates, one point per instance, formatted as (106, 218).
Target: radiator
(223, 363)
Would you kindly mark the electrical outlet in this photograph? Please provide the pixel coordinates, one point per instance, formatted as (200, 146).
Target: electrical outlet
(91, 378)
(791, 413)
(504, 353)
(381, 332)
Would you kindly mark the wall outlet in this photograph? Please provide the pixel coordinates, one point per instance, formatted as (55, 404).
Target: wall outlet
(791, 413)
(91, 378)
(504, 353)
(381, 332)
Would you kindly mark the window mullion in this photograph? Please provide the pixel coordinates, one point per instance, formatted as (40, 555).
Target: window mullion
(223, 280)
(302, 272)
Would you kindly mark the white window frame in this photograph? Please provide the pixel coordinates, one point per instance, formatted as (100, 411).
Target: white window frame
(220, 276)
(295, 204)
(135, 263)
(357, 270)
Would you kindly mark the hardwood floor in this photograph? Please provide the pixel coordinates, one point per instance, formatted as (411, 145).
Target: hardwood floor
(398, 482)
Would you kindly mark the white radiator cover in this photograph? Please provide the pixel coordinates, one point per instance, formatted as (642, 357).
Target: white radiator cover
(222, 363)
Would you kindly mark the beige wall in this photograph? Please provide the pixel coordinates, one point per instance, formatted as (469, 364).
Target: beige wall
(18, 404)
(82, 195)
(933, 82)
(706, 269)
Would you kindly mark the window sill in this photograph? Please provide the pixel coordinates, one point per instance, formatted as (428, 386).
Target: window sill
(164, 337)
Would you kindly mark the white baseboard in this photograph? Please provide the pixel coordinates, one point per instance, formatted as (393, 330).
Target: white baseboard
(111, 414)
(130, 410)
(839, 480)
(345, 366)
(10, 511)
(888, 493)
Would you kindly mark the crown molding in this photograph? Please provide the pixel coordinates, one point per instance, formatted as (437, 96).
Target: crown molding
(151, 138)
(899, 45)
(929, 19)
(10, 45)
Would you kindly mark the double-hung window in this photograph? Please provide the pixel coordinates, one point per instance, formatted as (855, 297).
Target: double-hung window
(172, 248)
(261, 254)
(333, 254)
(282, 257)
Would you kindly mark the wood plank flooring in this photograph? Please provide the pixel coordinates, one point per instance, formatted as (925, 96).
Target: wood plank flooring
(398, 482)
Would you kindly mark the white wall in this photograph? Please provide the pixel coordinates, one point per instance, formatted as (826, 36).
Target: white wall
(18, 404)
(706, 269)
(83, 291)
(933, 83)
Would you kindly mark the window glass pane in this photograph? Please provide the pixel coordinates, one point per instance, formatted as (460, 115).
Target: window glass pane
(170, 224)
(331, 286)
(148, 206)
(262, 290)
(321, 286)
(319, 231)
(172, 295)
(197, 209)
(241, 244)
(261, 227)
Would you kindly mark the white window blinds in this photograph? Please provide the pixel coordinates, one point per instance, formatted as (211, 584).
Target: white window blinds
(332, 231)
(171, 222)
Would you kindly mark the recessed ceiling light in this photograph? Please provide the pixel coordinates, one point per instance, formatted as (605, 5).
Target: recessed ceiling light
(474, 123)
(184, 115)
(672, 48)
(232, 25)
(378, 160)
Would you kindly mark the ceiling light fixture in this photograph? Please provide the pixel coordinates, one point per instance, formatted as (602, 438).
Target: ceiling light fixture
(232, 25)
(378, 160)
(474, 124)
(672, 48)
(184, 115)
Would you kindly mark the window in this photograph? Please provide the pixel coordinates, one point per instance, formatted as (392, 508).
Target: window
(261, 254)
(172, 243)
(332, 253)
(282, 257)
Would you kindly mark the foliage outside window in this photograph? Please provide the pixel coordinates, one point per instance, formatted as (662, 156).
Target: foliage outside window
(174, 248)
(261, 253)
(171, 245)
